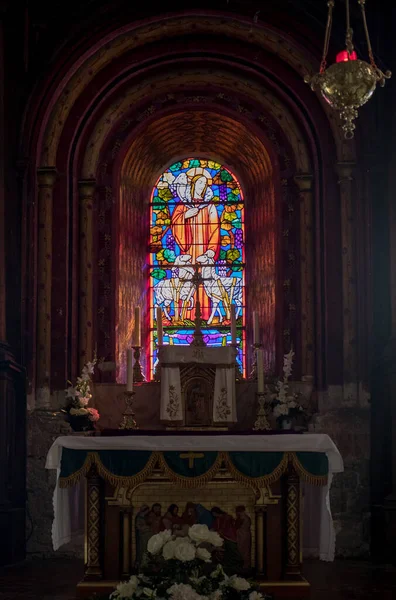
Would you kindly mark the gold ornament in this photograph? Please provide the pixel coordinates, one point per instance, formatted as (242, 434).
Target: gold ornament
(349, 83)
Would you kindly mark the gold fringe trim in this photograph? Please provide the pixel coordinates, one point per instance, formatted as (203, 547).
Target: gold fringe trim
(306, 475)
(115, 480)
(192, 482)
(258, 481)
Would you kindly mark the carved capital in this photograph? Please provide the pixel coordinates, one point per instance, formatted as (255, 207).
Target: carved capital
(345, 171)
(46, 177)
(86, 189)
(304, 181)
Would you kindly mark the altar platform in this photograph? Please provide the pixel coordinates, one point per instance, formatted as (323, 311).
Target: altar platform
(271, 487)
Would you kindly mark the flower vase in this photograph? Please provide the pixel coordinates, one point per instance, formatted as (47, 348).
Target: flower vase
(286, 423)
(80, 423)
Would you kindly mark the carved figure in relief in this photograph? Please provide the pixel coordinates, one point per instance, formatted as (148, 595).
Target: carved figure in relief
(229, 555)
(143, 532)
(244, 536)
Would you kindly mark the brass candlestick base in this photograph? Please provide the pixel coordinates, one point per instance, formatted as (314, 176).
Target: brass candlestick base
(261, 423)
(128, 416)
(253, 372)
(137, 367)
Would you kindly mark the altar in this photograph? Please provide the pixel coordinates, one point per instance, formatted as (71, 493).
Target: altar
(120, 490)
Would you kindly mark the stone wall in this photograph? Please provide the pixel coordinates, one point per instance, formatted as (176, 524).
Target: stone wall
(43, 428)
(349, 428)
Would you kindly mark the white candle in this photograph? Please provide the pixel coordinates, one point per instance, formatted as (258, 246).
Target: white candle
(160, 333)
(256, 331)
(129, 371)
(260, 371)
(136, 337)
(233, 325)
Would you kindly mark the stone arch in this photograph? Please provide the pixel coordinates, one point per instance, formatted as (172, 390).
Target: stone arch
(67, 130)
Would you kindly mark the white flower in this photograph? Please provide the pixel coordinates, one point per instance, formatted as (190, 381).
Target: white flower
(203, 554)
(215, 540)
(156, 542)
(256, 596)
(199, 533)
(185, 551)
(168, 551)
(181, 591)
(126, 589)
(83, 401)
(71, 392)
(238, 583)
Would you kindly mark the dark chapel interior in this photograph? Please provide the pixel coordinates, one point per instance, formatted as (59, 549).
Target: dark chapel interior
(97, 99)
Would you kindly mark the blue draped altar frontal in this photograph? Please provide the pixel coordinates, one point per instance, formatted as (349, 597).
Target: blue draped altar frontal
(128, 468)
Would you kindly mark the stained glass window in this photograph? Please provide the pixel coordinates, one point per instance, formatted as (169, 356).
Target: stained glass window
(197, 252)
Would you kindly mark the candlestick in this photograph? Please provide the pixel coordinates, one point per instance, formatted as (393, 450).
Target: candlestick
(129, 371)
(256, 329)
(137, 337)
(138, 375)
(261, 423)
(160, 331)
(233, 325)
(128, 416)
(260, 371)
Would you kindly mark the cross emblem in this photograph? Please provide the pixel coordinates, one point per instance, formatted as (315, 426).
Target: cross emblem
(191, 457)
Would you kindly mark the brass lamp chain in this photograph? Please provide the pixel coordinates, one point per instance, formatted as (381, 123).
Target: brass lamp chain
(381, 76)
(329, 23)
(366, 31)
(349, 30)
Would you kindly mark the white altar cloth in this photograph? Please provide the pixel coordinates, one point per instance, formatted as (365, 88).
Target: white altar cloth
(68, 502)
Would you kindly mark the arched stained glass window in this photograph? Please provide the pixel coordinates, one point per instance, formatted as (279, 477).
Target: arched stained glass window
(197, 253)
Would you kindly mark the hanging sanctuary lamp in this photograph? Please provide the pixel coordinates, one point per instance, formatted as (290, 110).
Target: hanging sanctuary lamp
(350, 82)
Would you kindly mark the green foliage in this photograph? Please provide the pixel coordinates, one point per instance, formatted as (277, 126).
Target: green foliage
(233, 255)
(223, 254)
(158, 274)
(158, 204)
(225, 175)
(169, 255)
(165, 194)
(229, 216)
(176, 166)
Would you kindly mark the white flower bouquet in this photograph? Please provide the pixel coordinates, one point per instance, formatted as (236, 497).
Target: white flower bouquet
(81, 416)
(181, 568)
(284, 404)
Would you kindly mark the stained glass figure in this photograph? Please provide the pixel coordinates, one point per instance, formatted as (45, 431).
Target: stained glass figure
(197, 228)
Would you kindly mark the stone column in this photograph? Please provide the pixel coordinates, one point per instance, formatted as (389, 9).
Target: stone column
(126, 542)
(93, 569)
(305, 185)
(345, 171)
(46, 178)
(293, 566)
(86, 190)
(260, 541)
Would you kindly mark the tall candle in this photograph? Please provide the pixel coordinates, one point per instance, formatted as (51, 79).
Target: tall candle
(160, 334)
(129, 371)
(256, 331)
(136, 337)
(260, 371)
(233, 325)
